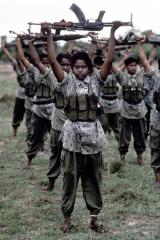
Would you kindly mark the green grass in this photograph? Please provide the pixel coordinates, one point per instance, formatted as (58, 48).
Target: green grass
(131, 208)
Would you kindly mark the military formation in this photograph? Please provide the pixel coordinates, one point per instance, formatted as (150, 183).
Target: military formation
(77, 97)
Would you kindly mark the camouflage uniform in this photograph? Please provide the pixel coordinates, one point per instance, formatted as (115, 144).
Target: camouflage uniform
(19, 109)
(83, 140)
(41, 114)
(148, 99)
(27, 80)
(110, 103)
(58, 119)
(133, 109)
(155, 132)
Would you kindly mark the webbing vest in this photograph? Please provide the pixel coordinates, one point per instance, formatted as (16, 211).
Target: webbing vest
(132, 92)
(83, 107)
(109, 90)
(29, 85)
(59, 99)
(42, 90)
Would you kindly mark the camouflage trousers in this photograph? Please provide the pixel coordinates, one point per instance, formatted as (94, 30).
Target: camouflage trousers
(18, 112)
(137, 128)
(38, 130)
(155, 149)
(88, 168)
(55, 158)
(110, 120)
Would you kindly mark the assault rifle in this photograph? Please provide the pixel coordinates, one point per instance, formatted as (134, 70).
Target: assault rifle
(155, 40)
(40, 40)
(132, 39)
(83, 24)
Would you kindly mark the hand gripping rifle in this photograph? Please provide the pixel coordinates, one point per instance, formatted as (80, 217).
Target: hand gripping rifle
(83, 24)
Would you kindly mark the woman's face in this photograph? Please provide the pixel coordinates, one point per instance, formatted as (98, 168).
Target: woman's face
(80, 69)
(66, 65)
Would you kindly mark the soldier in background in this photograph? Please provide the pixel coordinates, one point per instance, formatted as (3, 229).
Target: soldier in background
(148, 98)
(58, 119)
(42, 104)
(155, 134)
(133, 109)
(19, 108)
(110, 103)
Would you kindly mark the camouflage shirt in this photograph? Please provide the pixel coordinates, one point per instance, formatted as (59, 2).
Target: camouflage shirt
(58, 116)
(40, 108)
(134, 111)
(83, 137)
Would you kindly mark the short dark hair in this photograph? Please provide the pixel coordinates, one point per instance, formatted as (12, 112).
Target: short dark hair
(82, 55)
(60, 56)
(131, 59)
(98, 60)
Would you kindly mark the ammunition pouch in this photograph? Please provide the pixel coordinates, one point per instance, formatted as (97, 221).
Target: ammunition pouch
(59, 100)
(82, 107)
(29, 90)
(42, 91)
(132, 95)
(110, 89)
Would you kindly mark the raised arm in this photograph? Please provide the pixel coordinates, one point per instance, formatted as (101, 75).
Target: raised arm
(93, 45)
(35, 57)
(124, 56)
(143, 57)
(56, 67)
(7, 53)
(152, 55)
(105, 70)
(21, 55)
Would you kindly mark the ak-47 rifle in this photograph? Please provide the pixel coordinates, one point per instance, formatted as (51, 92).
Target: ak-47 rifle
(83, 24)
(40, 40)
(132, 39)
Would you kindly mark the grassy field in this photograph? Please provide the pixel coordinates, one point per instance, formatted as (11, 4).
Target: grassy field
(131, 209)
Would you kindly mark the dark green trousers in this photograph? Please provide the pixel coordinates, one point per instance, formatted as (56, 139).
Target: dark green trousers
(55, 158)
(38, 130)
(155, 149)
(110, 120)
(18, 112)
(137, 128)
(88, 168)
